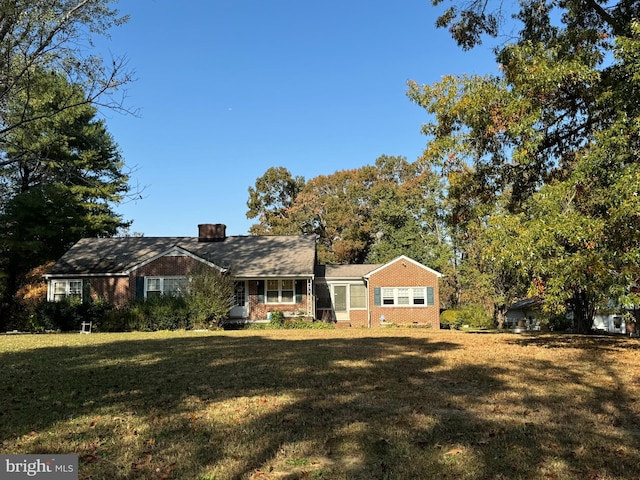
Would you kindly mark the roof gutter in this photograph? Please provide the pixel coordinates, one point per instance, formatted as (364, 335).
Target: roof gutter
(47, 276)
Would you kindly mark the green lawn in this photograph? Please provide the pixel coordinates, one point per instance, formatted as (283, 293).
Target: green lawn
(331, 404)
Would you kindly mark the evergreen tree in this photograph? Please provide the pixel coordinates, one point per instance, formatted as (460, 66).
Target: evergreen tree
(63, 175)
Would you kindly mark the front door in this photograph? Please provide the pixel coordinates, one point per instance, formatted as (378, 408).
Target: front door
(340, 302)
(240, 307)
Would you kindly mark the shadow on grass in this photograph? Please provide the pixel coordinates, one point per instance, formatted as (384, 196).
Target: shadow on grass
(253, 406)
(580, 341)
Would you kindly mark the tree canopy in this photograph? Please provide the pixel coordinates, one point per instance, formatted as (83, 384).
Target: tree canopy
(55, 36)
(61, 172)
(546, 151)
(63, 176)
(369, 214)
(530, 178)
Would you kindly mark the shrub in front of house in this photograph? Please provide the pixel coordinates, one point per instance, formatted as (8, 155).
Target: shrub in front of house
(302, 322)
(62, 315)
(67, 315)
(210, 297)
(475, 316)
(276, 319)
(451, 319)
(162, 312)
(125, 319)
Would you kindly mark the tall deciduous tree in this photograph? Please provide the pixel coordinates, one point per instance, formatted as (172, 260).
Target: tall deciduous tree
(55, 35)
(337, 208)
(270, 202)
(550, 140)
(369, 214)
(407, 214)
(579, 237)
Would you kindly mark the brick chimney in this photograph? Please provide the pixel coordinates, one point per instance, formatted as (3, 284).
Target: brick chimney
(212, 232)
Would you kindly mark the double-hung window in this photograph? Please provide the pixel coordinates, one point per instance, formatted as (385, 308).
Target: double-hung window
(287, 295)
(156, 286)
(403, 296)
(388, 296)
(407, 296)
(280, 291)
(62, 289)
(419, 296)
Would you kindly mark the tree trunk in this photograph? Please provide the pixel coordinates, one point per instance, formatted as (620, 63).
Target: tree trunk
(500, 315)
(583, 311)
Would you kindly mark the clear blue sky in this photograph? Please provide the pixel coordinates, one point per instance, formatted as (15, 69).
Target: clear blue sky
(228, 88)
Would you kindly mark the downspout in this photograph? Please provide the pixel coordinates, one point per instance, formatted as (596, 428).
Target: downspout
(311, 298)
(366, 283)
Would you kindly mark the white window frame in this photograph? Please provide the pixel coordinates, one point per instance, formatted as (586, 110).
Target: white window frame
(160, 281)
(403, 297)
(389, 297)
(279, 284)
(67, 291)
(419, 294)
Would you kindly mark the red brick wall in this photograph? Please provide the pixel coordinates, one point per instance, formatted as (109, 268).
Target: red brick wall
(121, 290)
(114, 289)
(168, 266)
(404, 273)
(358, 318)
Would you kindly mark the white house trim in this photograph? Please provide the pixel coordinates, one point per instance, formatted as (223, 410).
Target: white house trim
(403, 258)
(48, 276)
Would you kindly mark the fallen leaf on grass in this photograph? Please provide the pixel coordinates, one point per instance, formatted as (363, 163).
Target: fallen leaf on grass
(140, 464)
(580, 451)
(165, 472)
(89, 458)
(455, 451)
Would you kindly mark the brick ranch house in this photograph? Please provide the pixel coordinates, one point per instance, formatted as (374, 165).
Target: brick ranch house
(270, 273)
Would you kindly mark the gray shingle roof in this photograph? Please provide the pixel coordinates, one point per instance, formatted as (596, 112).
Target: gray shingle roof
(345, 271)
(247, 256)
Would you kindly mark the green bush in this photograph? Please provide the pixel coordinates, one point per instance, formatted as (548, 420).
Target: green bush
(475, 316)
(557, 323)
(62, 315)
(210, 297)
(162, 312)
(451, 319)
(67, 315)
(276, 318)
(125, 319)
(291, 323)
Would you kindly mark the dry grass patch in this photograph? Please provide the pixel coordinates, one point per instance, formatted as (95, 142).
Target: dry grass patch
(332, 404)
